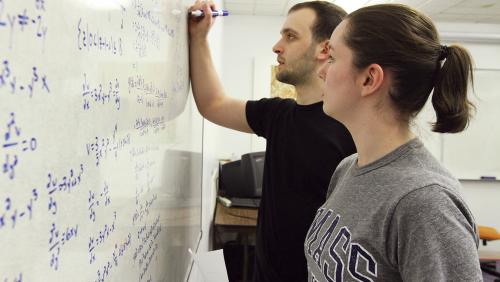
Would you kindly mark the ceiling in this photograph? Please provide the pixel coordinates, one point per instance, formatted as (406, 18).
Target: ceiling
(469, 11)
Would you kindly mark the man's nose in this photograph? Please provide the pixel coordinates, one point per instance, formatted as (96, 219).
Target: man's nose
(277, 48)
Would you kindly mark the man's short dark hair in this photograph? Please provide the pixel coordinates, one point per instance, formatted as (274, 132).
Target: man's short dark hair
(328, 16)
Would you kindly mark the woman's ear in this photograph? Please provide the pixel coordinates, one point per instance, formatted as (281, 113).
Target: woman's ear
(371, 79)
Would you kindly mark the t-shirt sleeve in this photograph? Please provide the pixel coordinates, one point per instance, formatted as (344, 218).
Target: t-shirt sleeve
(260, 114)
(433, 237)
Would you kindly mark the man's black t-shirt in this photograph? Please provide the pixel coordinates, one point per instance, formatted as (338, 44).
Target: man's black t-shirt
(304, 146)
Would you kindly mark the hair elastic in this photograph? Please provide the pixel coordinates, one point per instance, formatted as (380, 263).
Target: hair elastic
(444, 52)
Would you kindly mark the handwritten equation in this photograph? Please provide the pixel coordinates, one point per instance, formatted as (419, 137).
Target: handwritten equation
(100, 238)
(36, 82)
(102, 199)
(67, 183)
(13, 145)
(147, 247)
(151, 17)
(24, 21)
(12, 214)
(144, 124)
(147, 92)
(138, 151)
(102, 146)
(142, 209)
(180, 82)
(92, 40)
(143, 167)
(104, 271)
(144, 183)
(145, 38)
(100, 94)
(57, 240)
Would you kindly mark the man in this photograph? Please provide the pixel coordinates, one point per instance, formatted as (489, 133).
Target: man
(304, 146)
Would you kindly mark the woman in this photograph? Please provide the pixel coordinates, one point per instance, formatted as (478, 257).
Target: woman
(393, 212)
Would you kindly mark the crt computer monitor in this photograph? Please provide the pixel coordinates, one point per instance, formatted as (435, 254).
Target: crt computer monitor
(242, 178)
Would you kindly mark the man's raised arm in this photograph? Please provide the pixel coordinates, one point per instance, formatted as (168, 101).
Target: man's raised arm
(208, 92)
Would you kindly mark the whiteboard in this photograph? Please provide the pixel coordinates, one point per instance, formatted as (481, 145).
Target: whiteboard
(100, 143)
(475, 152)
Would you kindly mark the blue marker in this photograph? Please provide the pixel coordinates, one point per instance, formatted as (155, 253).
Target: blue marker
(216, 13)
(488, 178)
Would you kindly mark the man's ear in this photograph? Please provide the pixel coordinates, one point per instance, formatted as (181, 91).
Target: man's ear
(371, 79)
(323, 50)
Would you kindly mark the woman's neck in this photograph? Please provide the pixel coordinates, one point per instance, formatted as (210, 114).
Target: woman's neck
(375, 139)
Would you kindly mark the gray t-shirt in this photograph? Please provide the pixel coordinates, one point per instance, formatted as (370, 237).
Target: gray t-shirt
(400, 218)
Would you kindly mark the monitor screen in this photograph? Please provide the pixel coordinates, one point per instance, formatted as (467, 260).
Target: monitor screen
(242, 178)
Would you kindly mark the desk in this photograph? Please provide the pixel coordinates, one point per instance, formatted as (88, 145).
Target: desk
(487, 255)
(242, 221)
(491, 259)
(235, 217)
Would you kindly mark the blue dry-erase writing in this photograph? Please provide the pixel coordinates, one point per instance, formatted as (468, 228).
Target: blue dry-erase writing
(215, 13)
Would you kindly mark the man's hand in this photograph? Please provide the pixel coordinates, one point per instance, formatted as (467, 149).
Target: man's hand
(199, 26)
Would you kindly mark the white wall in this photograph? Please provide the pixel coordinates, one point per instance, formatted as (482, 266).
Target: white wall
(245, 38)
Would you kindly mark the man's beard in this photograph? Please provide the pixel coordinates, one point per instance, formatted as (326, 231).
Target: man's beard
(300, 70)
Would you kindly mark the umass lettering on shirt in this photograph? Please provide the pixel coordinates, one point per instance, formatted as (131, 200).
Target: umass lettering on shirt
(335, 245)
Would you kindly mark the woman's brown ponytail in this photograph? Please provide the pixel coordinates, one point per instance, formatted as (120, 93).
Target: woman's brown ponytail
(449, 99)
